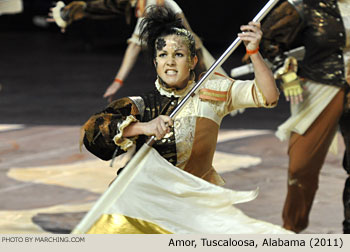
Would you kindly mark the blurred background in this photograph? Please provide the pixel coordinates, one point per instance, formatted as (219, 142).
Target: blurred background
(48, 77)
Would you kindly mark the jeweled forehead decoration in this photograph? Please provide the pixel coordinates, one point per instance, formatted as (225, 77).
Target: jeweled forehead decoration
(182, 32)
(185, 33)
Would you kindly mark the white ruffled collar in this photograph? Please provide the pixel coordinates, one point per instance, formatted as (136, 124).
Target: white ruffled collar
(169, 92)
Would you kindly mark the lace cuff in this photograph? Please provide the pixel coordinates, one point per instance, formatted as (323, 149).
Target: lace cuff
(260, 99)
(124, 142)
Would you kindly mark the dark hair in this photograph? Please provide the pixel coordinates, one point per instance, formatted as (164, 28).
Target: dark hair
(159, 22)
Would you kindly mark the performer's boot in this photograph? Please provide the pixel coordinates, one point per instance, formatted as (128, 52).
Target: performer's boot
(346, 202)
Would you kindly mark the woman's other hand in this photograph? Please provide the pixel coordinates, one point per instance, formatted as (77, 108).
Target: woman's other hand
(158, 127)
(251, 35)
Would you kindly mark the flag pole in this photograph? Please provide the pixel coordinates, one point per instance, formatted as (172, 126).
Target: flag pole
(120, 184)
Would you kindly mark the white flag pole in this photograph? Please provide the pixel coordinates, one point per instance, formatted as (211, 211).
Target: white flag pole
(118, 186)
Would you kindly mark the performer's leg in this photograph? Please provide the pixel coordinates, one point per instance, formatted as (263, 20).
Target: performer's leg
(346, 203)
(345, 130)
(306, 156)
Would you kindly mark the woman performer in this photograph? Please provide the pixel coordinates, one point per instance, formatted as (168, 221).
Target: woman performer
(188, 141)
(323, 28)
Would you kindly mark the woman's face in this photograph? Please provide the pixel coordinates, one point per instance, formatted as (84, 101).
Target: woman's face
(173, 61)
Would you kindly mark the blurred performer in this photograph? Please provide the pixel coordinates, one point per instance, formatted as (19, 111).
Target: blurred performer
(11, 6)
(318, 88)
(108, 8)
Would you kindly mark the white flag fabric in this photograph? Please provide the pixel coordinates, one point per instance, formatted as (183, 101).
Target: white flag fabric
(161, 198)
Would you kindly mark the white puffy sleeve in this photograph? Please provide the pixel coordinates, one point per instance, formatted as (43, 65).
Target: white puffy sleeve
(226, 95)
(245, 94)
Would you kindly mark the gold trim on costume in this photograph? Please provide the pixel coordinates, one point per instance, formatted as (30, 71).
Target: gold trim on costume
(120, 224)
(213, 95)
